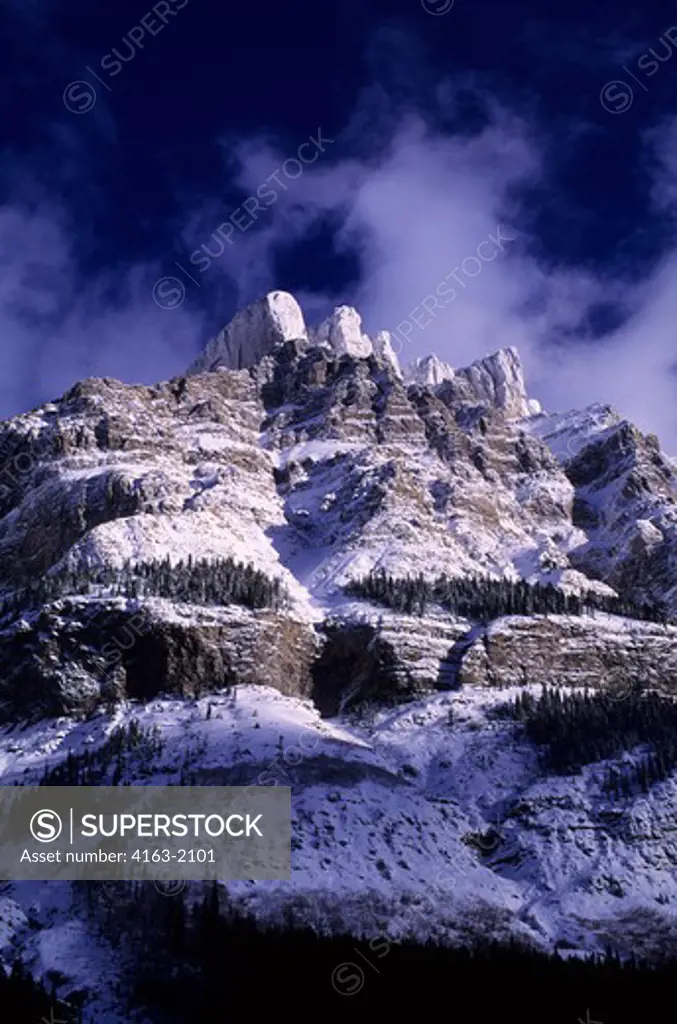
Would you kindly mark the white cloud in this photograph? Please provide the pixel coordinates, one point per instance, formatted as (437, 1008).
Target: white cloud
(56, 328)
(415, 213)
(413, 207)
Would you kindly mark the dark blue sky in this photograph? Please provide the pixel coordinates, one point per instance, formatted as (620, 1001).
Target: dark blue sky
(144, 175)
(150, 144)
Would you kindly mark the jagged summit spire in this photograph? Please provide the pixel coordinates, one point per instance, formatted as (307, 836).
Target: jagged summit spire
(497, 379)
(278, 317)
(342, 332)
(253, 332)
(429, 370)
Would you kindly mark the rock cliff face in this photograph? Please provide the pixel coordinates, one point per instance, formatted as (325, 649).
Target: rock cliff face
(253, 333)
(385, 657)
(429, 371)
(598, 652)
(383, 348)
(496, 382)
(76, 654)
(381, 656)
(309, 454)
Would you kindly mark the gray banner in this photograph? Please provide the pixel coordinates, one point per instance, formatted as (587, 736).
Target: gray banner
(147, 833)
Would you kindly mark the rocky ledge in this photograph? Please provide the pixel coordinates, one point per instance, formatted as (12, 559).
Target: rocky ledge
(597, 651)
(76, 654)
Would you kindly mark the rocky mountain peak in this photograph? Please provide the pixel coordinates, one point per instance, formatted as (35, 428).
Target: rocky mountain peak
(253, 333)
(429, 371)
(342, 332)
(498, 379)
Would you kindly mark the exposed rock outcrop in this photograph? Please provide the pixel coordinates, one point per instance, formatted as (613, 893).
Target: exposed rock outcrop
(386, 658)
(253, 333)
(384, 350)
(390, 657)
(599, 651)
(429, 371)
(496, 382)
(342, 333)
(74, 655)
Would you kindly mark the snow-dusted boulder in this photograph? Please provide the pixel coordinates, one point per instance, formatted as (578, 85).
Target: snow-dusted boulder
(253, 333)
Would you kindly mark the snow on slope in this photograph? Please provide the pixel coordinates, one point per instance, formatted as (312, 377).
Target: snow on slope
(382, 812)
(315, 464)
(354, 507)
(319, 470)
(568, 433)
(151, 473)
(625, 501)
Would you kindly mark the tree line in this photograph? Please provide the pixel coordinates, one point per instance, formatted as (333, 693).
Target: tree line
(187, 956)
(129, 755)
(128, 750)
(24, 998)
(193, 954)
(576, 729)
(484, 598)
(221, 581)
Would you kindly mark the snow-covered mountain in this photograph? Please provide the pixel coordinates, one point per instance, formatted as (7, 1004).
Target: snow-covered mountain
(310, 455)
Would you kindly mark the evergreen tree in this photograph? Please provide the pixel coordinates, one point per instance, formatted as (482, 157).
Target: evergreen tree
(575, 729)
(482, 598)
(214, 582)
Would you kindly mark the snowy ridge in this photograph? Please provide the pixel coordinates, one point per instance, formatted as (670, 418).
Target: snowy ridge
(569, 433)
(319, 461)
